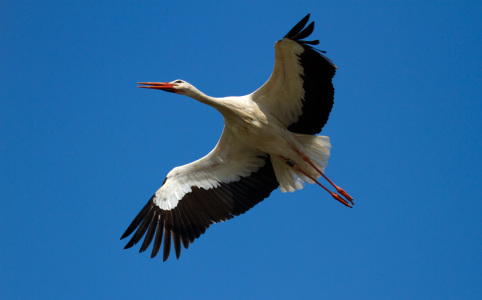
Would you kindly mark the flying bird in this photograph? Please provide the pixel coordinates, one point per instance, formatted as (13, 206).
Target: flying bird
(269, 140)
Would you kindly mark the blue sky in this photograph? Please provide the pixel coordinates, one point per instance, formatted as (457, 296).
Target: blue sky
(83, 149)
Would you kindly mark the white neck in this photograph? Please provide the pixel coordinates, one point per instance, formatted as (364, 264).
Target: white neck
(203, 98)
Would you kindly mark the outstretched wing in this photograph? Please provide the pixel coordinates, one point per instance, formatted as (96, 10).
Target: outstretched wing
(227, 182)
(299, 92)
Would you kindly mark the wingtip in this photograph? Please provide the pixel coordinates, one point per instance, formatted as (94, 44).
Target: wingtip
(129, 245)
(125, 234)
(298, 27)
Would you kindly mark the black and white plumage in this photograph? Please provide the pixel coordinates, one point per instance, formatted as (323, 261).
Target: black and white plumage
(268, 142)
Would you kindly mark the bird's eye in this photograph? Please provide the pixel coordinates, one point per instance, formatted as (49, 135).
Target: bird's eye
(178, 81)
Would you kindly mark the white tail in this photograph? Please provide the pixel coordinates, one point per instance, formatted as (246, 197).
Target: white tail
(317, 149)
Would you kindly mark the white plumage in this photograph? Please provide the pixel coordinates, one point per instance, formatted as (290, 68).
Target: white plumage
(268, 141)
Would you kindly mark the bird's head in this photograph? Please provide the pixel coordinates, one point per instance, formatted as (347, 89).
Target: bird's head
(177, 86)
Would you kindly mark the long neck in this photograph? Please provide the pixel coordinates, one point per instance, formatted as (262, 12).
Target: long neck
(203, 98)
(229, 107)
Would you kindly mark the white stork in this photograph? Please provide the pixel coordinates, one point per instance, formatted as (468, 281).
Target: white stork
(268, 141)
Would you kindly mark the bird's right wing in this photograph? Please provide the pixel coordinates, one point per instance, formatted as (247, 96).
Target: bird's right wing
(227, 182)
(299, 92)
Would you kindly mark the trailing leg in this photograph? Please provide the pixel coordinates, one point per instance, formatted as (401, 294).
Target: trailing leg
(298, 169)
(338, 189)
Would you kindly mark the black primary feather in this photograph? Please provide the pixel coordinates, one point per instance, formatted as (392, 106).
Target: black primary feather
(297, 28)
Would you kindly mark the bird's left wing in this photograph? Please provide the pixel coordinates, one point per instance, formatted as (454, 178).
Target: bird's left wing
(299, 92)
(227, 182)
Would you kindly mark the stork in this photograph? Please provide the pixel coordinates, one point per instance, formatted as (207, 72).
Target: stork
(269, 140)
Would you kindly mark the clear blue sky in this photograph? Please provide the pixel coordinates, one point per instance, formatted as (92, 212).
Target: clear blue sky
(83, 149)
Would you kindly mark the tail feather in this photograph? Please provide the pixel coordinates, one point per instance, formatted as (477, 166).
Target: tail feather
(288, 179)
(316, 148)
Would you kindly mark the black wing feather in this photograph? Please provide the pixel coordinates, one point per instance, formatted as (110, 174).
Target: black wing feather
(305, 32)
(167, 243)
(319, 92)
(184, 215)
(137, 220)
(158, 240)
(297, 28)
(150, 233)
(176, 233)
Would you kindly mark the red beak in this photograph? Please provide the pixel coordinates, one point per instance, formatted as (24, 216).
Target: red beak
(164, 86)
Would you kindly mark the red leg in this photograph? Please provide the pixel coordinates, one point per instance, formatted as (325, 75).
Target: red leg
(338, 189)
